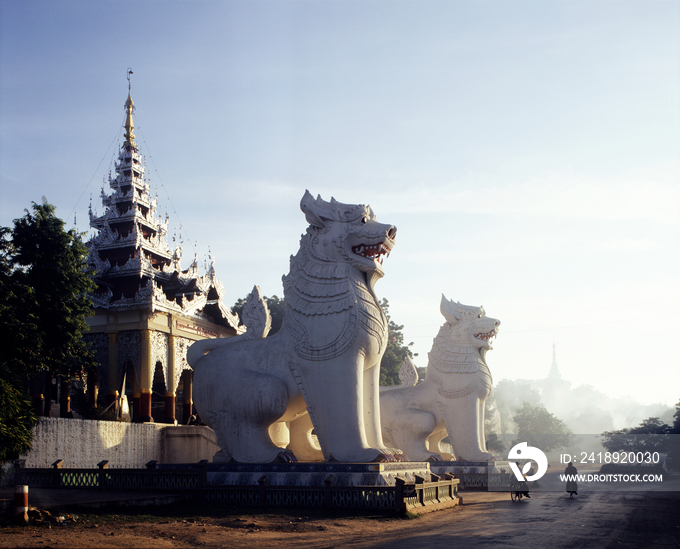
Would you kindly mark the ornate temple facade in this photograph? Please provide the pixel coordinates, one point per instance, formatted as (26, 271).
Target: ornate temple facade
(147, 309)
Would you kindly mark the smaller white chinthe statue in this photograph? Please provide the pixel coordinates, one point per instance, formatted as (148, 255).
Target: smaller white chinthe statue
(451, 399)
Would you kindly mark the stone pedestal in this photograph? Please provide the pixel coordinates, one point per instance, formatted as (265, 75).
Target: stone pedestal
(188, 444)
(314, 474)
(473, 474)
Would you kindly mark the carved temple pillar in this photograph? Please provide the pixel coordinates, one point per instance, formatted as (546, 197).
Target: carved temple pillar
(112, 393)
(92, 388)
(147, 378)
(170, 382)
(188, 403)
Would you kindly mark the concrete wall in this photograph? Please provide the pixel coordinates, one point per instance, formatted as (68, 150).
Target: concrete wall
(83, 443)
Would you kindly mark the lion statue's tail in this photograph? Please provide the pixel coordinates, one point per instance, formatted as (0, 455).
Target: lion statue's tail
(255, 316)
(408, 375)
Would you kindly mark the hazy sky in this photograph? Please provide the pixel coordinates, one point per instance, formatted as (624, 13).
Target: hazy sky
(528, 152)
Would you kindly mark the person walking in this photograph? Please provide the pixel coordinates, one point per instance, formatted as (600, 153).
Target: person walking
(572, 487)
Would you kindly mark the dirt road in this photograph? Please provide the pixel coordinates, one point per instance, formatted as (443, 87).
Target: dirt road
(602, 520)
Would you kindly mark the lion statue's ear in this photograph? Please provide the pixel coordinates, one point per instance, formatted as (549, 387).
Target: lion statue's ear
(444, 308)
(307, 205)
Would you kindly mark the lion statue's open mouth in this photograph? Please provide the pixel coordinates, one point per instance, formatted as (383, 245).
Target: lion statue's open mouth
(486, 336)
(376, 252)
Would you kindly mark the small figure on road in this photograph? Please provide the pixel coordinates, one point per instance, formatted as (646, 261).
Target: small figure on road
(572, 488)
(523, 487)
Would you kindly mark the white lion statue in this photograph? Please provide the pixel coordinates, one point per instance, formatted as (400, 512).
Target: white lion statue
(451, 398)
(321, 370)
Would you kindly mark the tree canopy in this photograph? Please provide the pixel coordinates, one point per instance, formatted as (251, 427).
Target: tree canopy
(17, 416)
(44, 284)
(538, 427)
(396, 351)
(652, 435)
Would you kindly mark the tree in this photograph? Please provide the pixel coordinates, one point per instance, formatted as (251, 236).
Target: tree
(652, 435)
(538, 427)
(494, 443)
(18, 323)
(396, 351)
(45, 283)
(675, 429)
(17, 417)
(275, 306)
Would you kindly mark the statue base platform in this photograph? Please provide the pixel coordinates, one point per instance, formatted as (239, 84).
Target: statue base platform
(474, 475)
(316, 473)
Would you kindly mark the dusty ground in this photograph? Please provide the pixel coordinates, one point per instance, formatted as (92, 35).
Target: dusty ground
(177, 526)
(485, 520)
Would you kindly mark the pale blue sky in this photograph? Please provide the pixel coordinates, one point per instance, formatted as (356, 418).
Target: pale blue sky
(528, 152)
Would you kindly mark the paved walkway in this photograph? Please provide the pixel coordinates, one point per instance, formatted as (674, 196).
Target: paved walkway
(599, 520)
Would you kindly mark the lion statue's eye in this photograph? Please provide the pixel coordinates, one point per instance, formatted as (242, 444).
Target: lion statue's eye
(364, 220)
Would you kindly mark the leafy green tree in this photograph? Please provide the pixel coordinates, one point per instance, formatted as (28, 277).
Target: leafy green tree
(396, 351)
(538, 427)
(673, 457)
(275, 305)
(45, 284)
(675, 429)
(652, 435)
(17, 417)
(18, 307)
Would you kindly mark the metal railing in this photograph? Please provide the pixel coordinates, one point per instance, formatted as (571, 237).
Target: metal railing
(441, 491)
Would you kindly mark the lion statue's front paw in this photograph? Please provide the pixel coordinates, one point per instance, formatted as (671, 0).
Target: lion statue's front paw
(286, 456)
(434, 458)
(384, 456)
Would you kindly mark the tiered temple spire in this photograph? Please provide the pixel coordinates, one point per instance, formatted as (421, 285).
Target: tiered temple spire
(130, 253)
(147, 309)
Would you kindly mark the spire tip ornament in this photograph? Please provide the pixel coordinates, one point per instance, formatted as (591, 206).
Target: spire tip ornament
(129, 109)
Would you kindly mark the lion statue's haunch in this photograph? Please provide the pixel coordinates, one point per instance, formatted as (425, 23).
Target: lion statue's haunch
(325, 360)
(451, 398)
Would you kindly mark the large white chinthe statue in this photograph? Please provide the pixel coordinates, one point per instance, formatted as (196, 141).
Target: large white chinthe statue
(451, 398)
(321, 370)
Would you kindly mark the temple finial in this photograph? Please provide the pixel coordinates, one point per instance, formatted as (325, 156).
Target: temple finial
(129, 108)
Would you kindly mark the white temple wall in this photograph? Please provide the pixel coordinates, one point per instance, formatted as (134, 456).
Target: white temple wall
(84, 443)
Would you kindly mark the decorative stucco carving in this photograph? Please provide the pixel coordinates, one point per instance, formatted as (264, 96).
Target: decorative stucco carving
(256, 315)
(130, 349)
(159, 353)
(451, 398)
(181, 347)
